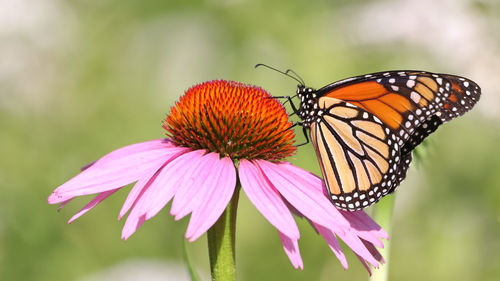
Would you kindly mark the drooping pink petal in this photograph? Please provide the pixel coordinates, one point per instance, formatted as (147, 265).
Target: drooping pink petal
(351, 238)
(183, 168)
(217, 192)
(187, 197)
(116, 169)
(139, 188)
(98, 199)
(297, 186)
(333, 243)
(373, 250)
(375, 253)
(159, 192)
(359, 220)
(365, 227)
(266, 199)
(87, 166)
(304, 191)
(365, 264)
(63, 204)
(291, 247)
(134, 221)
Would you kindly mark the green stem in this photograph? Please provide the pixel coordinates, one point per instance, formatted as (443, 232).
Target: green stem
(382, 214)
(221, 241)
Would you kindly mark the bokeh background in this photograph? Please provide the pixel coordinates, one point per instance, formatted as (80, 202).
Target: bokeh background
(81, 78)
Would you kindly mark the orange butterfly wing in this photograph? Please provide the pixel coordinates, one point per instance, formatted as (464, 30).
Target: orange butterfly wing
(408, 105)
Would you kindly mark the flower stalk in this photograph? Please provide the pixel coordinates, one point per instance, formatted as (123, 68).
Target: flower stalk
(221, 241)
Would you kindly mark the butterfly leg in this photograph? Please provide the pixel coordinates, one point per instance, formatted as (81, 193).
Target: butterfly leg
(295, 111)
(304, 130)
(294, 108)
(288, 99)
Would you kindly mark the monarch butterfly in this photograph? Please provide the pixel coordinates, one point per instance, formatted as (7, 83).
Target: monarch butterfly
(364, 128)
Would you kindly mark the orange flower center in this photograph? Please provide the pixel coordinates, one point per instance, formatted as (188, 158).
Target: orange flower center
(233, 119)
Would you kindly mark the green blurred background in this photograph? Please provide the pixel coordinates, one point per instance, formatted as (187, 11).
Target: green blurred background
(81, 78)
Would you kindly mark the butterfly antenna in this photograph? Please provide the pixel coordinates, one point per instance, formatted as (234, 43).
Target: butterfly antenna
(296, 75)
(286, 73)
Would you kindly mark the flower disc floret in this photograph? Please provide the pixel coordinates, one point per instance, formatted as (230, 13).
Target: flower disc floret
(233, 119)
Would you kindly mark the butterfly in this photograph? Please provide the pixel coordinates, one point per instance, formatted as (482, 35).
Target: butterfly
(365, 128)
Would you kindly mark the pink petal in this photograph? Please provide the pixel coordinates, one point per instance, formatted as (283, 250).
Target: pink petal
(357, 246)
(183, 167)
(306, 193)
(160, 191)
(299, 188)
(374, 253)
(333, 243)
(87, 166)
(63, 204)
(373, 250)
(266, 199)
(116, 169)
(131, 149)
(98, 199)
(134, 221)
(216, 194)
(186, 199)
(291, 247)
(365, 264)
(139, 188)
(366, 228)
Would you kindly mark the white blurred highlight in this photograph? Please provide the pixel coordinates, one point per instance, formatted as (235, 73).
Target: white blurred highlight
(450, 30)
(32, 33)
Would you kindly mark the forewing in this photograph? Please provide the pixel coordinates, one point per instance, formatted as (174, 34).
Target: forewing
(411, 103)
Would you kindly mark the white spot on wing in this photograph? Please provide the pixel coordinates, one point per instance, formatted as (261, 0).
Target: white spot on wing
(415, 97)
